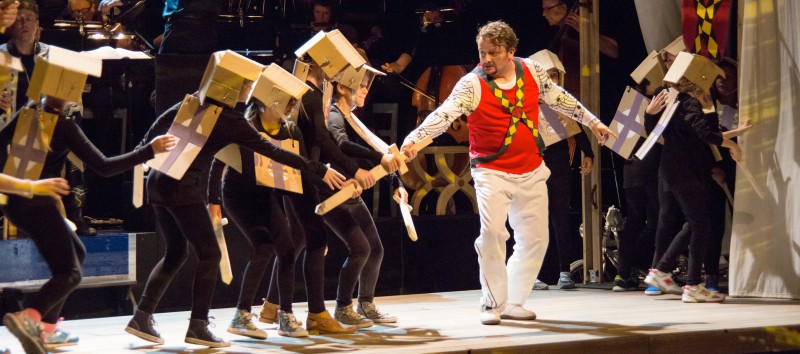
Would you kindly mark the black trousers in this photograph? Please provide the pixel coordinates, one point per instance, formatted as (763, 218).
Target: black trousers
(637, 239)
(260, 216)
(60, 247)
(691, 195)
(559, 194)
(180, 226)
(353, 224)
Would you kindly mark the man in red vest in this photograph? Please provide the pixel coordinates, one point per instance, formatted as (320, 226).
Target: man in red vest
(500, 98)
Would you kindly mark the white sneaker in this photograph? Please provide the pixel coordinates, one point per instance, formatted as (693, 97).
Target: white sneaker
(699, 293)
(663, 281)
(517, 312)
(489, 315)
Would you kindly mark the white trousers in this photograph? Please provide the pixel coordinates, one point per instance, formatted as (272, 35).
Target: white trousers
(522, 199)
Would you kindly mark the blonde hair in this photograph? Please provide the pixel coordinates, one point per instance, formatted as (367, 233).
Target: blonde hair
(499, 33)
(686, 86)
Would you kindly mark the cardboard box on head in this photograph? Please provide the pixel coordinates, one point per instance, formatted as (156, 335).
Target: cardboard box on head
(61, 73)
(225, 76)
(675, 47)
(301, 69)
(549, 60)
(276, 88)
(698, 69)
(332, 52)
(650, 68)
(355, 78)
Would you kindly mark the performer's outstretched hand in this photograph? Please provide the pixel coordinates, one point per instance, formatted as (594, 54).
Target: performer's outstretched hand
(390, 163)
(602, 132)
(51, 187)
(163, 143)
(334, 179)
(364, 178)
(409, 150)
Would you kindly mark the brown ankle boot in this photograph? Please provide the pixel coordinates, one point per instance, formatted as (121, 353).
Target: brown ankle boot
(322, 322)
(269, 313)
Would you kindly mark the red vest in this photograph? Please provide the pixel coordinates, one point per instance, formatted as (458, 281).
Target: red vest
(489, 122)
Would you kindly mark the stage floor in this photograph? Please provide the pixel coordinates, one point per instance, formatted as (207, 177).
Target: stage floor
(583, 320)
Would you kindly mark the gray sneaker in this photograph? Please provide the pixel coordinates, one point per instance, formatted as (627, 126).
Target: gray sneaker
(288, 326)
(242, 324)
(565, 281)
(370, 311)
(347, 316)
(540, 285)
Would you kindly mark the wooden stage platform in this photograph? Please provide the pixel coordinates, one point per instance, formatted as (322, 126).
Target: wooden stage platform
(583, 320)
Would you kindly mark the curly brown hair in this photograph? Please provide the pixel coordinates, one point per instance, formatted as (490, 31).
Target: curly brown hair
(499, 33)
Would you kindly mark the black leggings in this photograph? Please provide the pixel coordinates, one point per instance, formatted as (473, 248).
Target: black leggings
(177, 225)
(670, 220)
(60, 247)
(637, 239)
(692, 197)
(308, 230)
(261, 218)
(353, 223)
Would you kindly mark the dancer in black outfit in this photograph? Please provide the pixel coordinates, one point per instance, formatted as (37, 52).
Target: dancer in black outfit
(307, 227)
(352, 221)
(182, 215)
(258, 210)
(39, 216)
(686, 162)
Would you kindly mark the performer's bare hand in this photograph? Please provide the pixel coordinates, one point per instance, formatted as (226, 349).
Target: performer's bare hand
(106, 6)
(333, 179)
(5, 100)
(357, 191)
(736, 152)
(51, 187)
(387, 67)
(586, 166)
(658, 103)
(364, 178)
(215, 211)
(409, 150)
(163, 143)
(741, 129)
(8, 14)
(602, 132)
(402, 194)
(390, 163)
(573, 21)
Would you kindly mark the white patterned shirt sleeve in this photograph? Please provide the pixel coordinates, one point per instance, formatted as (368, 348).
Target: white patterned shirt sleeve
(462, 100)
(558, 98)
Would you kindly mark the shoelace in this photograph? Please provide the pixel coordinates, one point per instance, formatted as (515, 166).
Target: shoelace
(372, 311)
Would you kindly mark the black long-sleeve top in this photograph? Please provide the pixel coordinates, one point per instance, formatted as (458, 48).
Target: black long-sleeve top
(341, 132)
(319, 142)
(686, 152)
(231, 127)
(68, 136)
(245, 183)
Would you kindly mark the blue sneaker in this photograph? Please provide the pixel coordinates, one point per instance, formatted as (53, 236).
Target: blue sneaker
(59, 338)
(26, 331)
(652, 291)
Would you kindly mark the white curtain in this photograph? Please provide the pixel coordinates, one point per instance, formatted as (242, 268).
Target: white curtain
(660, 21)
(765, 244)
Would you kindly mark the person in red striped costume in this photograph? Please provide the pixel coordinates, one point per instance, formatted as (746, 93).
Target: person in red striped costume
(500, 99)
